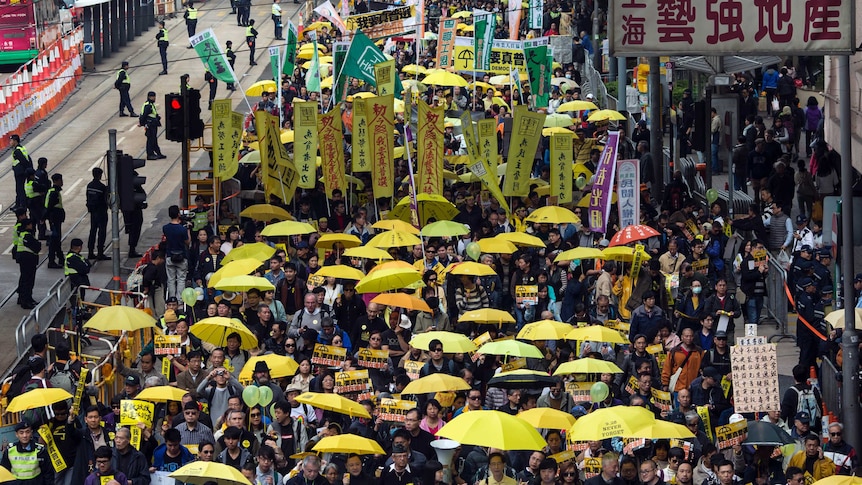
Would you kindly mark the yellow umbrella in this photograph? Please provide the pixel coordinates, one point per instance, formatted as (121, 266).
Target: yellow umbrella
(511, 348)
(401, 300)
(162, 394)
(413, 69)
(547, 418)
(839, 480)
(544, 330)
(558, 120)
(317, 26)
(237, 267)
(395, 225)
(521, 239)
(265, 213)
(429, 205)
(555, 130)
(596, 333)
(120, 318)
(392, 265)
(6, 476)
(436, 383)
(493, 429)
(326, 82)
(587, 366)
(367, 252)
(445, 229)
(662, 430)
(215, 330)
(251, 157)
(287, 136)
(452, 342)
(611, 422)
(466, 28)
(444, 79)
(463, 14)
(553, 215)
(487, 315)
(348, 443)
(37, 398)
(606, 115)
(836, 318)
(288, 228)
(279, 366)
(576, 105)
(500, 80)
(480, 84)
(341, 271)
(414, 85)
(499, 101)
(394, 239)
(622, 253)
(470, 268)
(334, 403)
(307, 65)
(243, 283)
(200, 472)
(258, 251)
(260, 87)
(347, 240)
(496, 246)
(387, 280)
(579, 253)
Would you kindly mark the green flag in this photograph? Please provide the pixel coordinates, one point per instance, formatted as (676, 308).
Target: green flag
(483, 38)
(312, 78)
(289, 62)
(207, 47)
(361, 58)
(539, 65)
(339, 53)
(274, 56)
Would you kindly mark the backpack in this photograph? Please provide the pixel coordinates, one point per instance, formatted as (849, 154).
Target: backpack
(63, 378)
(806, 401)
(22, 375)
(812, 118)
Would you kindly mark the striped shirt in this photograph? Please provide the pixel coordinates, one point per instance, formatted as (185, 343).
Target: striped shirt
(200, 433)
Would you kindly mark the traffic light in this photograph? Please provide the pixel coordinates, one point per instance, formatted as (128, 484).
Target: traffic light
(174, 117)
(196, 124)
(130, 185)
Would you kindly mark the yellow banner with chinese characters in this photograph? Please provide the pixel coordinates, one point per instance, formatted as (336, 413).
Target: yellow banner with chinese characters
(561, 167)
(227, 135)
(305, 142)
(331, 150)
(277, 172)
(637, 262)
(135, 437)
(134, 411)
(57, 460)
(429, 142)
(79, 392)
(381, 125)
(480, 167)
(361, 149)
(412, 367)
(384, 75)
(526, 133)
(486, 133)
(395, 410)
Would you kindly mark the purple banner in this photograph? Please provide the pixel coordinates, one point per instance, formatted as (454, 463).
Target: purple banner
(602, 192)
(628, 192)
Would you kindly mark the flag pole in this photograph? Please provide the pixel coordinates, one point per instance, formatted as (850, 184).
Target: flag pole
(278, 84)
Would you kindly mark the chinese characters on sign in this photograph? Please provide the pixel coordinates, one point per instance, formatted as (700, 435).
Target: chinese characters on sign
(755, 378)
(561, 167)
(628, 192)
(305, 142)
(446, 42)
(730, 27)
(383, 23)
(361, 153)
(381, 124)
(526, 132)
(328, 355)
(600, 197)
(227, 132)
(505, 55)
(430, 149)
(332, 150)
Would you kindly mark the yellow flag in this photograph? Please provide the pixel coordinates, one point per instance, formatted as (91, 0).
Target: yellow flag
(526, 133)
(479, 167)
(384, 75)
(381, 125)
(278, 175)
(430, 149)
(305, 142)
(486, 131)
(227, 136)
(561, 167)
(361, 147)
(57, 460)
(331, 150)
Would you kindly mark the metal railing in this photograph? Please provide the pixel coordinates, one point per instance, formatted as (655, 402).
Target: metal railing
(592, 83)
(41, 317)
(776, 304)
(830, 388)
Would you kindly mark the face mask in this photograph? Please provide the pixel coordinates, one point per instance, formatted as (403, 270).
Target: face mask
(568, 76)
(696, 290)
(694, 214)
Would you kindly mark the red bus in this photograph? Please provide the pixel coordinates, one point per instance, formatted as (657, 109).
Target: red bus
(28, 26)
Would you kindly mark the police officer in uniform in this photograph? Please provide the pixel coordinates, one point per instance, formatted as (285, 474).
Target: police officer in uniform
(800, 267)
(191, 17)
(134, 219)
(55, 215)
(213, 84)
(231, 58)
(21, 161)
(123, 84)
(27, 460)
(162, 41)
(810, 309)
(276, 19)
(27, 250)
(251, 40)
(42, 184)
(822, 274)
(35, 193)
(76, 267)
(20, 216)
(97, 206)
(151, 123)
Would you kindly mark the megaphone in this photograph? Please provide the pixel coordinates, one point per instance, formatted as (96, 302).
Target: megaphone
(445, 450)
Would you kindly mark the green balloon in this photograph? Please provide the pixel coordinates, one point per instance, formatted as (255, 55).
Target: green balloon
(272, 410)
(265, 396)
(190, 296)
(711, 195)
(581, 182)
(599, 392)
(251, 395)
(474, 251)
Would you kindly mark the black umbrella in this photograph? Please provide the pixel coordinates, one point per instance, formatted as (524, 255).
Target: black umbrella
(521, 379)
(765, 433)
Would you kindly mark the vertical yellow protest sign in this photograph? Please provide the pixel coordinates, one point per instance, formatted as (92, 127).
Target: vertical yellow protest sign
(305, 142)
(331, 150)
(430, 149)
(381, 125)
(361, 147)
(227, 134)
(384, 75)
(526, 133)
(561, 167)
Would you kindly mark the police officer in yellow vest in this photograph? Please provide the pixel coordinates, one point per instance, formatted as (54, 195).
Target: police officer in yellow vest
(35, 192)
(20, 216)
(251, 40)
(27, 460)
(276, 19)
(55, 215)
(191, 17)
(21, 161)
(27, 249)
(151, 121)
(76, 267)
(162, 41)
(123, 84)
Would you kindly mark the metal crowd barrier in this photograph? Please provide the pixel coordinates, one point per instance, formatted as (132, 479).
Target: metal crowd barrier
(41, 317)
(830, 388)
(776, 304)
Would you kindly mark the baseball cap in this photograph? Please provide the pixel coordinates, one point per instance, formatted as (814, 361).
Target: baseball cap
(803, 417)
(172, 299)
(711, 371)
(405, 322)
(801, 219)
(133, 380)
(721, 334)
(23, 424)
(170, 316)
(735, 418)
(805, 282)
(302, 245)
(590, 96)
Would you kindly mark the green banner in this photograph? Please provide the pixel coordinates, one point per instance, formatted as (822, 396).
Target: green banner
(312, 77)
(274, 56)
(483, 38)
(289, 62)
(539, 69)
(339, 53)
(209, 51)
(361, 58)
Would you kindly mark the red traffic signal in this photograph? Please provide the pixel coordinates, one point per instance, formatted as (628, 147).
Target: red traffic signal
(175, 103)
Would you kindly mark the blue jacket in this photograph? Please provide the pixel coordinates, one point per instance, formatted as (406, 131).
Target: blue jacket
(159, 457)
(647, 324)
(770, 79)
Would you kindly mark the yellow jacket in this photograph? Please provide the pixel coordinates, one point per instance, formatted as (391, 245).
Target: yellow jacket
(823, 467)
